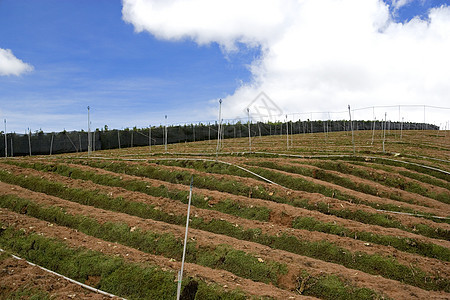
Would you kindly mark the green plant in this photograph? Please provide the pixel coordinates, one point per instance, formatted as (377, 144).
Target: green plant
(402, 244)
(131, 280)
(226, 206)
(237, 262)
(331, 287)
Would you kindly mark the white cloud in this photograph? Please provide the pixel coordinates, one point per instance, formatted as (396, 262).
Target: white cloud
(317, 55)
(397, 4)
(11, 65)
(252, 22)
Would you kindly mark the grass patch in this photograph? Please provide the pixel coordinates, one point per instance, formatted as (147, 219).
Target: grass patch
(332, 287)
(24, 292)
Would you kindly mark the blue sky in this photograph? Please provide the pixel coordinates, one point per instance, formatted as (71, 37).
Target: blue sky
(84, 53)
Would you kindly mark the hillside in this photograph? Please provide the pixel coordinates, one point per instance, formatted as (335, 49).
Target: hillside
(292, 217)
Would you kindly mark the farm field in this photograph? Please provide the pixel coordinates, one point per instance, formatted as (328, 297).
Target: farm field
(297, 217)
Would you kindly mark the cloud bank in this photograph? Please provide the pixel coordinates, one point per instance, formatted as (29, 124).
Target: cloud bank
(317, 55)
(11, 65)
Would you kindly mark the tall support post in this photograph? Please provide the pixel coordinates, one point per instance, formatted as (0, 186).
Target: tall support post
(165, 134)
(292, 132)
(118, 137)
(12, 149)
(373, 129)
(374, 123)
(89, 133)
(351, 127)
(6, 142)
(222, 134)
(51, 144)
(401, 129)
(423, 126)
(287, 134)
(325, 132)
(29, 140)
(93, 141)
(180, 273)
(249, 132)
(219, 131)
(193, 131)
(150, 138)
(384, 130)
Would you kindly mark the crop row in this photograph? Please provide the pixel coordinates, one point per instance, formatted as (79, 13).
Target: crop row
(201, 201)
(388, 180)
(378, 165)
(220, 257)
(241, 189)
(131, 280)
(115, 273)
(402, 244)
(389, 162)
(372, 264)
(335, 179)
(305, 185)
(380, 219)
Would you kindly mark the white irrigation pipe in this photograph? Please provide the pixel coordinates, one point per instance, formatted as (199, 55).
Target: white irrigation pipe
(242, 168)
(180, 274)
(291, 155)
(410, 214)
(347, 155)
(274, 183)
(226, 163)
(67, 278)
(432, 158)
(198, 159)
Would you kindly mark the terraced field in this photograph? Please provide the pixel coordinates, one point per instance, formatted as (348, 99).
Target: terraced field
(299, 217)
